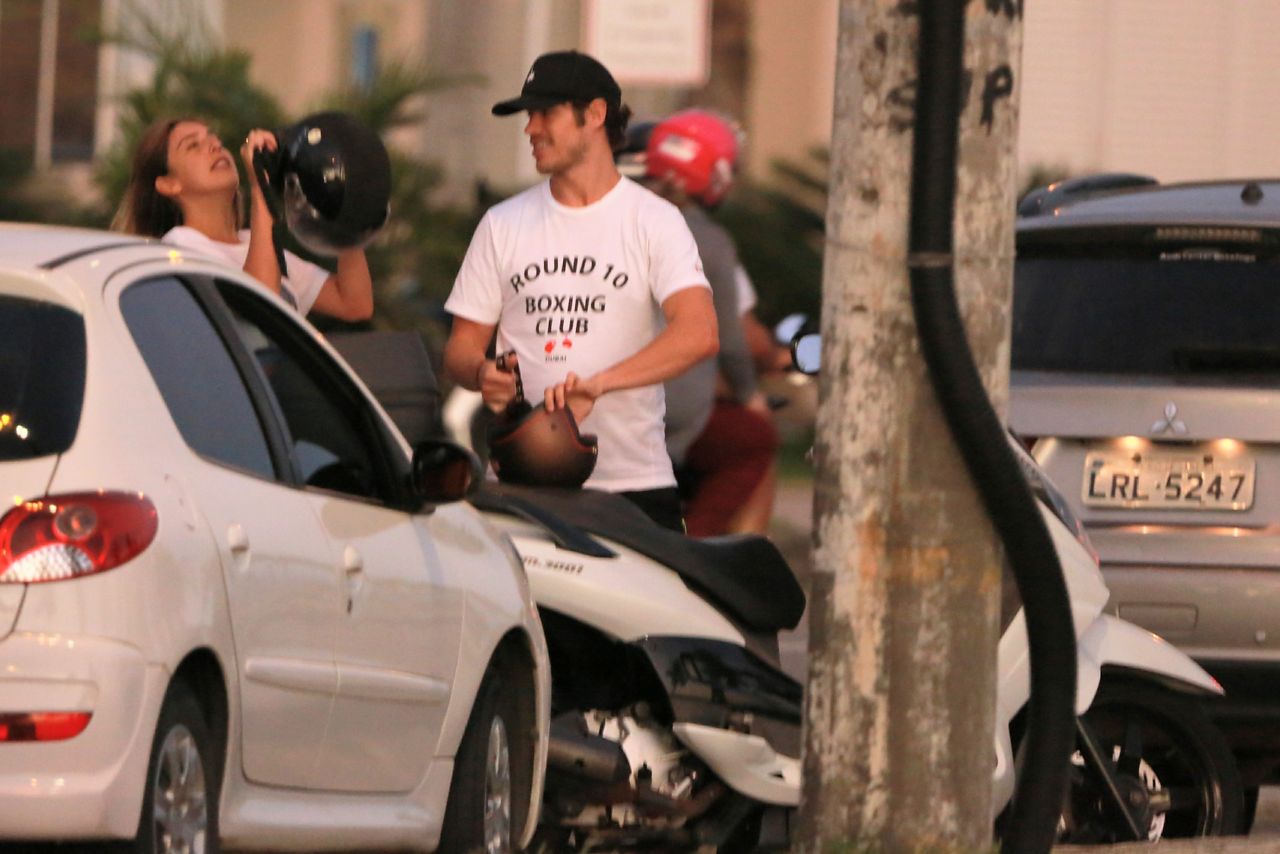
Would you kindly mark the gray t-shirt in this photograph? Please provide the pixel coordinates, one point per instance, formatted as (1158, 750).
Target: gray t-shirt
(691, 395)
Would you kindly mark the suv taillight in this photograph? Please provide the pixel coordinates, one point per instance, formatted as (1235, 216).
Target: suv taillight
(67, 536)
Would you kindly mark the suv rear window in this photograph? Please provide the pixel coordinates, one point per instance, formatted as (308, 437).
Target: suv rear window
(42, 370)
(1191, 320)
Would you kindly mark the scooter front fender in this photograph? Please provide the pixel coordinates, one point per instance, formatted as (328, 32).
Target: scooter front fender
(1114, 643)
(1108, 642)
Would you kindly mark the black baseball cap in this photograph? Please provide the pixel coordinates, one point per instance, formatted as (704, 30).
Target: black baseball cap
(564, 75)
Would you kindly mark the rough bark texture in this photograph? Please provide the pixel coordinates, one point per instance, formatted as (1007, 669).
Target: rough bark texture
(905, 599)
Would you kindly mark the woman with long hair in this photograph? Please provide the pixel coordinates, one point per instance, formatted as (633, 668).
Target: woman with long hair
(184, 189)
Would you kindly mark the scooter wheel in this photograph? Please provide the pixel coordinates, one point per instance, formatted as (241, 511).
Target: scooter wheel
(1170, 762)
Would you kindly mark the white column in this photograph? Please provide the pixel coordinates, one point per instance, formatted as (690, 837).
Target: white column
(537, 32)
(48, 70)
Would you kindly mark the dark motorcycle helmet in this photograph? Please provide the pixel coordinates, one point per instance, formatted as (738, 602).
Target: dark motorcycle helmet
(529, 446)
(330, 179)
(630, 156)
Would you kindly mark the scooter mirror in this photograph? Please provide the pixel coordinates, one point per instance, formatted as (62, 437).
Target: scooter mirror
(789, 327)
(806, 353)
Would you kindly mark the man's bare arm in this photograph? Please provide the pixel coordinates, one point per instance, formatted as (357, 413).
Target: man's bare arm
(691, 336)
(466, 365)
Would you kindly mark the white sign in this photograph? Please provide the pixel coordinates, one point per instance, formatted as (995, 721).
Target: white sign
(663, 42)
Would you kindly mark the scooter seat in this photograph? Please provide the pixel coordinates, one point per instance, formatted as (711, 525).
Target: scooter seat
(743, 574)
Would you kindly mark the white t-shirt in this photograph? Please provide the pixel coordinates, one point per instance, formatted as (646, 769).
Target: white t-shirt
(580, 289)
(304, 280)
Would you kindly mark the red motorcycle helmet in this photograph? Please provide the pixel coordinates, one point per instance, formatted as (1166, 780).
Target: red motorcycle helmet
(695, 151)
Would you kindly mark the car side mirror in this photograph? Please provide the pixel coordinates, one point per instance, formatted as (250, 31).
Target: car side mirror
(444, 471)
(806, 353)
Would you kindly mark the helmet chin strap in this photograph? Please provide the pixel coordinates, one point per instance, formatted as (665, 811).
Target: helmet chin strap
(262, 167)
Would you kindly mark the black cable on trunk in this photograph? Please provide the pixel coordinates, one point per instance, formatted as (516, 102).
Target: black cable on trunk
(1042, 779)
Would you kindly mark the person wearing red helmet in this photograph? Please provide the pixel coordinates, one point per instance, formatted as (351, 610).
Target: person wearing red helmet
(723, 443)
(577, 275)
(695, 152)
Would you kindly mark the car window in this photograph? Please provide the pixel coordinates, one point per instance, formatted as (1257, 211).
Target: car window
(331, 433)
(196, 375)
(1190, 320)
(42, 371)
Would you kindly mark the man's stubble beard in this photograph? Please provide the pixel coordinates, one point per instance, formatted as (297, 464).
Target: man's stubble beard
(573, 157)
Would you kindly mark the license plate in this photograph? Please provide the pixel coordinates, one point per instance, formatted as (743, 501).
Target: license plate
(1167, 481)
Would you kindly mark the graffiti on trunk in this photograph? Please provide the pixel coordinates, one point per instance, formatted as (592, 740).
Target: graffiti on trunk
(996, 82)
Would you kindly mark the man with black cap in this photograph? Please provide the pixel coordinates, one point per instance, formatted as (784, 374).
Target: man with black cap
(593, 281)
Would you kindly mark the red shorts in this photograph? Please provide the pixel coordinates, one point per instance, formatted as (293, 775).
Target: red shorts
(727, 462)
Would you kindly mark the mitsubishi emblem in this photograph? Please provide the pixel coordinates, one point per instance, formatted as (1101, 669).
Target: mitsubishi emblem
(1171, 423)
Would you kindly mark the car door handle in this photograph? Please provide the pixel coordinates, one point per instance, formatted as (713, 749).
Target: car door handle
(353, 570)
(237, 539)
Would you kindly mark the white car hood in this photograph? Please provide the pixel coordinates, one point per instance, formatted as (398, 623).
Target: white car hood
(20, 480)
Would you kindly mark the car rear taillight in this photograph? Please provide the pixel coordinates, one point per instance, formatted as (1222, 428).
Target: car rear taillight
(42, 726)
(67, 536)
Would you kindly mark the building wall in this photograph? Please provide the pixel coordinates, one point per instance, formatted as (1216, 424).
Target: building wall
(1175, 88)
(788, 77)
(120, 70)
(297, 50)
(491, 44)
(303, 48)
(793, 60)
(1178, 89)
(71, 99)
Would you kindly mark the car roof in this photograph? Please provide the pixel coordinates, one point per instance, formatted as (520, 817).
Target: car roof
(32, 246)
(1244, 202)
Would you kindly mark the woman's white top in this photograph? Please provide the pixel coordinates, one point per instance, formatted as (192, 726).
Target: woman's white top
(303, 282)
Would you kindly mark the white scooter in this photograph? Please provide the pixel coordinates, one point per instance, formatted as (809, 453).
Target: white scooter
(675, 725)
(674, 720)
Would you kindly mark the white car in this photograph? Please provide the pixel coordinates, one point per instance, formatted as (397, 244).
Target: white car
(234, 605)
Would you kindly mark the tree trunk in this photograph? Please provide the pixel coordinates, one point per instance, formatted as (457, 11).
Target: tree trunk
(905, 599)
